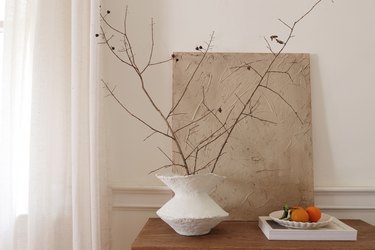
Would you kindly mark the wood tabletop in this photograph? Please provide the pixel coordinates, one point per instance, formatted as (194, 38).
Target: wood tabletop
(157, 235)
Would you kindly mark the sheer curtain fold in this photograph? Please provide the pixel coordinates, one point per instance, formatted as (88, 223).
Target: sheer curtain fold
(67, 206)
(14, 127)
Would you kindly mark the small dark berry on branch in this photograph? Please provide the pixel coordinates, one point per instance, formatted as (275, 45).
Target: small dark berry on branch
(220, 110)
(273, 37)
(279, 41)
(96, 35)
(108, 11)
(113, 48)
(200, 47)
(177, 60)
(248, 67)
(197, 48)
(173, 55)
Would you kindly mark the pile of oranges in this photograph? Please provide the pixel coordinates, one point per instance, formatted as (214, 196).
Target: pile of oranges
(300, 214)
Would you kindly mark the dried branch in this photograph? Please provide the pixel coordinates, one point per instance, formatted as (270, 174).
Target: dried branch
(237, 120)
(204, 167)
(192, 76)
(106, 41)
(285, 101)
(225, 129)
(195, 161)
(249, 66)
(239, 99)
(204, 142)
(308, 12)
(149, 63)
(269, 46)
(131, 113)
(165, 154)
(212, 137)
(165, 166)
(165, 119)
(285, 23)
(149, 136)
(281, 72)
(109, 25)
(210, 110)
(132, 64)
(160, 62)
(192, 122)
(152, 46)
(258, 118)
(253, 108)
(126, 41)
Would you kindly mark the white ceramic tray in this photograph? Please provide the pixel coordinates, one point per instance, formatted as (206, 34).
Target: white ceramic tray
(324, 221)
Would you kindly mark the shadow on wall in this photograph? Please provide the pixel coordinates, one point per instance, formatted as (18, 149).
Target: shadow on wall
(322, 152)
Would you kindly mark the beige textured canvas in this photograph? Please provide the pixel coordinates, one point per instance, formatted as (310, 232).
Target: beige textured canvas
(268, 157)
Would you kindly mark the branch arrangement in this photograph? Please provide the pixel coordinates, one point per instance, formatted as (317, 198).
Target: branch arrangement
(187, 160)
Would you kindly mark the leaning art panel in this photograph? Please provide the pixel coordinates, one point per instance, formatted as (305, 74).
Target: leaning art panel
(267, 158)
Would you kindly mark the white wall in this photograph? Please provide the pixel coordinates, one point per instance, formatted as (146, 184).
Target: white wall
(340, 37)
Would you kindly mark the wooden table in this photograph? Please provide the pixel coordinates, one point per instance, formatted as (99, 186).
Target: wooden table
(157, 235)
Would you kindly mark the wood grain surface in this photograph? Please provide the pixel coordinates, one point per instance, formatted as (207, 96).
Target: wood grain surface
(242, 235)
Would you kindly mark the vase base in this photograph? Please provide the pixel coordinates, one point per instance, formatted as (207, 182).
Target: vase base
(193, 226)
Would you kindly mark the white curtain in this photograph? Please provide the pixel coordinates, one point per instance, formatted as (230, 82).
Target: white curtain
(15, 94)
(67, 197)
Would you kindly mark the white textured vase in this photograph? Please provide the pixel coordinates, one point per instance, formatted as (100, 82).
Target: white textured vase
(192, 211)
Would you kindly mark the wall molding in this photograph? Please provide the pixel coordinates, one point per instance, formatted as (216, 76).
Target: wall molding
(345, 198)
(328, 198)
(148, 198)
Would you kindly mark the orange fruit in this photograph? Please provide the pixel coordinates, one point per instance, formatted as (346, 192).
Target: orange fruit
(299, 214)
(314, 213)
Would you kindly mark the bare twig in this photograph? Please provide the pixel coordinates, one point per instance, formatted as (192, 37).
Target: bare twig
(282, 72)
(285, 23)
(110, 26)
(212, 137)
(127, 44)
(149, 136)
(285, 101)
(260, 119)
(192, 122)
(308, 12)
(284, 44)
(133, 64)
(106, 41)
(204, 167)
(249, 66)
(131, 113)
(166, 166)
(269, 46)
(160, 62)
(152, 46)
(165, 155)
(225, 128)
(195, 161)
(210, 110)
(192, 76)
